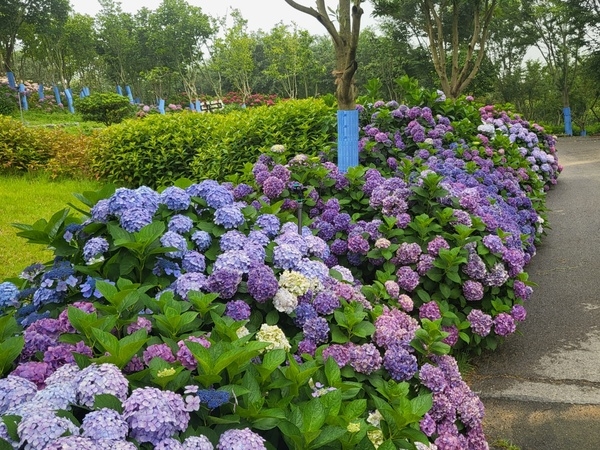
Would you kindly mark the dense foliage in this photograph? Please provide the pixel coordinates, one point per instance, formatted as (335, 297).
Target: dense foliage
(159, 149)
(204, 314)
(54, 151)
(107, 107)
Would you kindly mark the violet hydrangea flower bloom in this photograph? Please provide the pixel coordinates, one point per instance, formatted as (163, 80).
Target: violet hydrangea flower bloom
(504, 324)
(408, 279)
(175, 198)
(104, 423)
(472, 290)
(154, 415)
(184, 354)
(401, 364)
(93, 250)
(37, 431)
(162, 351)
(481, 323)
(15, 390)
(394, 327)
(238, 310)
(430, 310)
(229, 217)
(365, 358)
(244, 439)
(180, 224)
(100, 379)
(262, 283)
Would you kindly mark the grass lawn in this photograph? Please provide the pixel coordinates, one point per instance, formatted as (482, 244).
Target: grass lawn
(25, 200)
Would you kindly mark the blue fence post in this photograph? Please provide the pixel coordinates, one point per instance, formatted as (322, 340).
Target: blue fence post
(82, 94)
(347, 122)
(69, 100)
(192, 106)
(57, 95)
(119, 90)
(41, 91)
(198, 105)
(23, 97)
(568, 126)
(161, 105)
(128, 91)
(11, 80)
(86, 91)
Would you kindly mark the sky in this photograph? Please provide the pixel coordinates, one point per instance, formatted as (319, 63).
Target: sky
(260, 14)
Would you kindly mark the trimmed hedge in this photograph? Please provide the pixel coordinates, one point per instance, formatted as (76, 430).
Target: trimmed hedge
(157, 149)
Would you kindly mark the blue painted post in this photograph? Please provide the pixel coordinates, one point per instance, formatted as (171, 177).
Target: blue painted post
(41, 91)
(347, 139)
(568, 126)
(69, 100)
(86, 91)
(128, 90)
(23, 97)
(192, 106)
(119, 90)
(161, 105)
(11, 80)
(82, 94)
(198, 106)
(57, 95)
(138, 100)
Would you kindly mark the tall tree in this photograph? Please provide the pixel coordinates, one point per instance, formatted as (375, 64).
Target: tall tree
(456, 32)
(16, 15)
(345, 43)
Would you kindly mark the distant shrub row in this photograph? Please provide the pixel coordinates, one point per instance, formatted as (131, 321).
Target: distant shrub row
(158, 149)
(28, 149)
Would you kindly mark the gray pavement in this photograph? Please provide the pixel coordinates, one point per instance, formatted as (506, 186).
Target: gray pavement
(541, 388)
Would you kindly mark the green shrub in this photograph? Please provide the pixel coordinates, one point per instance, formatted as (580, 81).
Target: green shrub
(8, 100)
(157, 149)
(22, 148)
(106, 107)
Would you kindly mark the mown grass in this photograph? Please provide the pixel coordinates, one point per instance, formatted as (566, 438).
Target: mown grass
(72, 123)
(26, 199)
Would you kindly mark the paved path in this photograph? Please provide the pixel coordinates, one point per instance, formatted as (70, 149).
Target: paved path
(541, 388)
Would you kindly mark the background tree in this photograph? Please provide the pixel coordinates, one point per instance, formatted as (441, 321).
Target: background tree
(17, 15)
(345, 43)
(457, 33)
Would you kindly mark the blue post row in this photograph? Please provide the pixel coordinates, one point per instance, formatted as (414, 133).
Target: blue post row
(69, 100)
(11, 80)
(192, 106)
(23, 97)
(568, 126)
(86, 91)
(41, 91)
(128, 91)
(198, 106)
(82, 94)
(161, 105)
(347, 122)
(56, 94)
(119, 90)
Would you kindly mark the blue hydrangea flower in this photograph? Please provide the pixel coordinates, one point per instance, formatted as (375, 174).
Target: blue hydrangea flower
(193, 262)
(93, 250)
(104, 423)
(40, 429)
(134, 219)
(172, 239)
(180, 224)
(229, 217)
(269, 223)
(14, 391)
(202, 240)
(218, 197)
(244, 439)
(175, 198)
(100, 379)
(8, 295)
(212, 398)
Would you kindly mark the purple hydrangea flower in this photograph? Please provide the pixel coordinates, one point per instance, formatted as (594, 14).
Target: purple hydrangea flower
(518, 313)
(408, 253)
(185, 356)
(193, 262)
(100, 211)
(244, 439)
(286, 256)
(242, 190)
(141, 322)
(326, 302)
(481, 323)
(218, 196)
(504, 324)
(316, 329)
(34, 371)
(358, 244)
(273, 187)
(238, 310)
(14, 391)
(408, 279)
(191, 281)
(436, 244)
(365, 358)
(134, 219)
(197, 443)
(154, 415)
(493, 242)
(104, 423)
(38, 430)
(100, 379)
(430, 310)
(433, 378)
(341, 354)
(425, 263)
(262, 283)
(394, 327)
(158, 351)
(224, 281)
(473, 290)
(269, 223)
(401, 364)
(304, 312)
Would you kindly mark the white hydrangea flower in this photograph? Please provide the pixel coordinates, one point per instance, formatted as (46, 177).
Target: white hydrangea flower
(273, 335)
(374, 418)
(294, 282)
(242, 331)
(285, 301)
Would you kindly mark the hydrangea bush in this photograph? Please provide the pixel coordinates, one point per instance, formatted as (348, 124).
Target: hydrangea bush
(204, 316)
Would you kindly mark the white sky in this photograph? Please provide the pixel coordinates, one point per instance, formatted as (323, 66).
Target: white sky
(260, 14)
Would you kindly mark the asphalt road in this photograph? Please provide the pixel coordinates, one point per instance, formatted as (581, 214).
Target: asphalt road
(541, 388)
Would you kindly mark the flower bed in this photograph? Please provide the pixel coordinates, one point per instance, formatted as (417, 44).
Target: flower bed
(204, 315)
